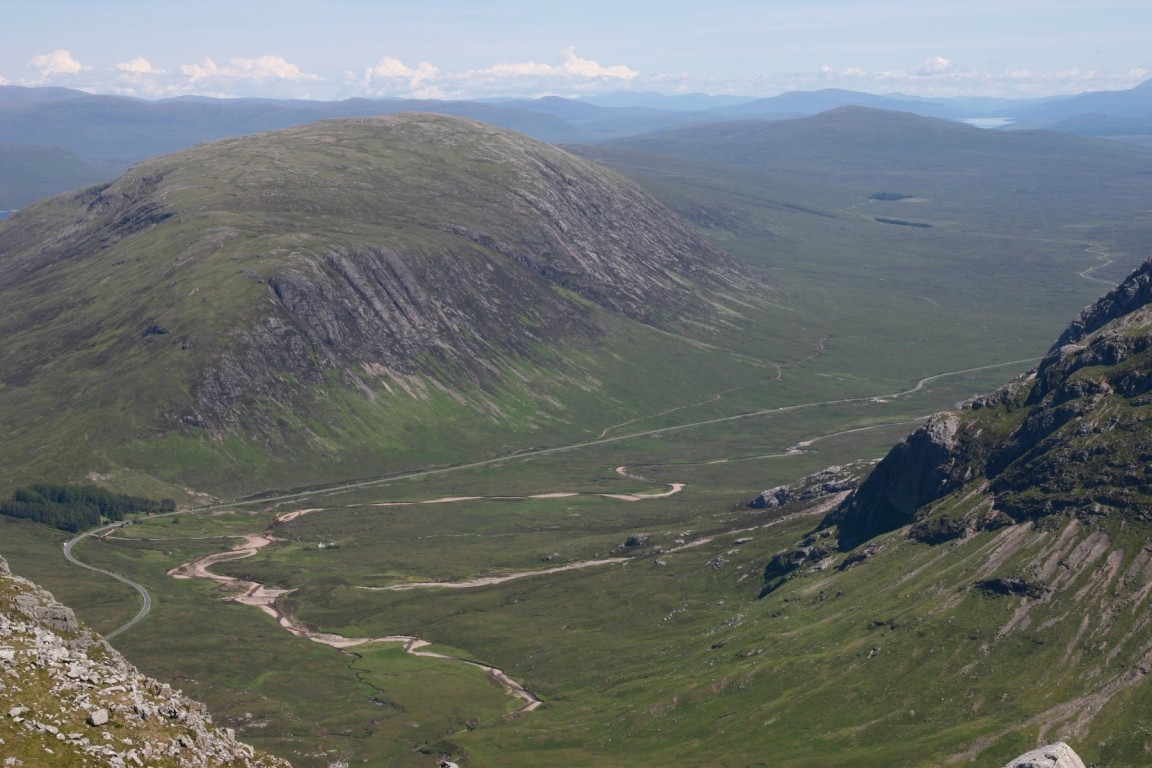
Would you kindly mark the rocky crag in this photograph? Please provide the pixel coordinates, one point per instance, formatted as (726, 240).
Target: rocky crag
(1012, 538)
(827, 482)
(67, 698)
(1070, 439)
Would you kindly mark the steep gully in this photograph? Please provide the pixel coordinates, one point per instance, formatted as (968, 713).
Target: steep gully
(259, 593)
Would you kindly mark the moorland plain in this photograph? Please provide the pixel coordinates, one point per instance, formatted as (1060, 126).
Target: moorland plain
(672, 658)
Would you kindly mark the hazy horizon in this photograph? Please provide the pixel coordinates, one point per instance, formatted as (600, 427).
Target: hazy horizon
(454, 50)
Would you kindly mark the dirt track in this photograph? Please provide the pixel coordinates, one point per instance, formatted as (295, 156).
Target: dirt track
(264, 598)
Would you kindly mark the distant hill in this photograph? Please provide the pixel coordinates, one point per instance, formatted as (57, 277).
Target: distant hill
(11, 95)
(113, 132)
(120, 131)
(598, 122)
(681, 101)
(1046, 176)
(803, 103)
(316, 294)
(850, 143)
(30, 172)
(1101, 113)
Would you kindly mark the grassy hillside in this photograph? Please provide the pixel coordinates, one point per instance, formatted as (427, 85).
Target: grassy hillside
(231, 290)
(327, 301)
(849, 331)
(670, 659)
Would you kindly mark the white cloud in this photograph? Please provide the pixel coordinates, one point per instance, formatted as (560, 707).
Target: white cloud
(573, 67)
(936, 65)
(138, 66)
(391, 77)
(272, 76)
(57, 64)
(572, 75)
(568, 75)
(264, 68)
(394, 68)
(264, 76)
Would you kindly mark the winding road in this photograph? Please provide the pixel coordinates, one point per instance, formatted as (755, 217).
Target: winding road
(144, 593)
(147, 597)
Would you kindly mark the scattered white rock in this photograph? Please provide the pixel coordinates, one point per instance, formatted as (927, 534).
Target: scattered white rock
(1057, 755)
(49, 656)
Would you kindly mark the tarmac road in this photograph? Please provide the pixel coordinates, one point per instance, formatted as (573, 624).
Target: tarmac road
(144, 593)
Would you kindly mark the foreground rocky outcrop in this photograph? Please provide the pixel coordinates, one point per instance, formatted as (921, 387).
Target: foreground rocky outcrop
(827, 482)
(1058, 755)
(67, 698)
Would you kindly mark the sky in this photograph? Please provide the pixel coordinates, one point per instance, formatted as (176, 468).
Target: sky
(462, 49)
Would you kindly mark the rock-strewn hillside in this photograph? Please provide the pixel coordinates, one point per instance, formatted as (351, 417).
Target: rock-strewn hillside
(67, 698)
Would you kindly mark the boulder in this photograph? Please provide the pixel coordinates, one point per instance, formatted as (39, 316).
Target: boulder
(43, 608)
(1057, 755)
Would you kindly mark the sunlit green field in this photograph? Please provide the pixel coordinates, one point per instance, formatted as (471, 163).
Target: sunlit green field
(669, 657)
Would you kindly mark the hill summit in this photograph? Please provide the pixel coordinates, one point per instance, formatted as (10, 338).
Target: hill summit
(275, 288)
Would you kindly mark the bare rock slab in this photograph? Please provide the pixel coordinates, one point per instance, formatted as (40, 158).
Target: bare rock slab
(1056, 755)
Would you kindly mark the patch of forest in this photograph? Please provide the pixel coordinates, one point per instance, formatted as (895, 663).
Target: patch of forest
(76, 507)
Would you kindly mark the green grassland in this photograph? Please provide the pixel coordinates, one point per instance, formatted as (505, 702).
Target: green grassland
(622, 655)
(672, 658)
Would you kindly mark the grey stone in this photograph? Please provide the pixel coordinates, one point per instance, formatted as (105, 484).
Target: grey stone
(1056, 755)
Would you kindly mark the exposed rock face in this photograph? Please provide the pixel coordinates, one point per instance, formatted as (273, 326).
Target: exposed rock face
(1132, 294)
(1057, 755)
(414, 245)
(815, 552)
(830, 481)
(1015, 586)
(299, 290)
(919, 469)
(1071, 440)
(68, 698)
(52, 615)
